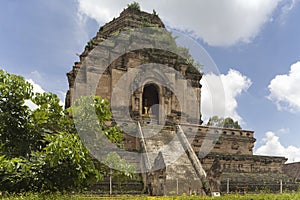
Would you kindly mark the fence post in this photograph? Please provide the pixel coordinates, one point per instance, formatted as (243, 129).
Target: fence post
(227, 185)
(280, 186)
(110, 182)
(177, 186)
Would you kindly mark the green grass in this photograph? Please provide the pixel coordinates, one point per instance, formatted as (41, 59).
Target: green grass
(30, 196)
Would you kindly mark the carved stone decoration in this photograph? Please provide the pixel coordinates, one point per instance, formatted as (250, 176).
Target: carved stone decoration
(214, 175)
(157, 178)
(137, 103)
(182, 69)
(167, 92)
(235, 146)
(250, 147)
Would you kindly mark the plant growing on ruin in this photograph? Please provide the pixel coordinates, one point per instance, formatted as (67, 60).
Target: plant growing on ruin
(154, 13)
(134, 6)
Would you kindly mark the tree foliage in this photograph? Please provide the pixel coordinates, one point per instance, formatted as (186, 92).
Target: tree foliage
(223, 122)
(91, 114)
(40, 149)
(16, 136)
(114, 161)
(66, 163)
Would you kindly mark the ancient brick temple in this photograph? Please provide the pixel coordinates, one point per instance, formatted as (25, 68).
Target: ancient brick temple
(229, 166)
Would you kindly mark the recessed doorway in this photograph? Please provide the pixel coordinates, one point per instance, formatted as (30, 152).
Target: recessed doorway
(151, 101)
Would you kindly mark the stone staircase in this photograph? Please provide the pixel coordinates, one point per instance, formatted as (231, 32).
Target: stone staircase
(179, 170)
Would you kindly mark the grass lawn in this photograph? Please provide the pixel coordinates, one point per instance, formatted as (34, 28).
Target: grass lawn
(30, 196)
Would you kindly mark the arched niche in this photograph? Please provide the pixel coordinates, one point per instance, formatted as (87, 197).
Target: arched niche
(151, 101)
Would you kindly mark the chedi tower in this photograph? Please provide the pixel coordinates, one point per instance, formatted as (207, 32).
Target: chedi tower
(154, 91)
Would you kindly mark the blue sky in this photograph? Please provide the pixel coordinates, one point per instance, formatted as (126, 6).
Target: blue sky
(251, 42)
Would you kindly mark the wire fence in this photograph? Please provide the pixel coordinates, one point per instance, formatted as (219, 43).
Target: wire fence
(262, 186)
(179, 187)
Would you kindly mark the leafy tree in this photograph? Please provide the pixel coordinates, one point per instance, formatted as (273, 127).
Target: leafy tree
(223, 122)
(84, 111)
(66, 163)
(15, 174)
(16, 137)
(40, 149)
(48, 113)
(118, 166)
(22, 129)
(215, 121)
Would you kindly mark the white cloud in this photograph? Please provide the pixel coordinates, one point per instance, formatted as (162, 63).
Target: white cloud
(101, 11)
(61, 95)
(283, 131)
(35, 75)
(219, 93)
(31, 105)
(217, 22)
(36, 89)
(285, 90)
(286, 9)
(273, 147)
